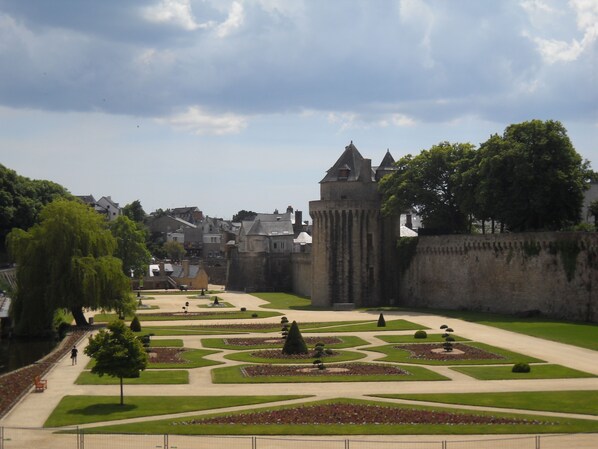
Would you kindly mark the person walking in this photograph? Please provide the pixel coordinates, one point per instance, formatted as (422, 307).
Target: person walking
(74, 352)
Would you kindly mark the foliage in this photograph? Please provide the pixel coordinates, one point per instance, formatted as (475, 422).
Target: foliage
(294, 343)
(406, 249)
(135, 325)
(420, 334)
(381, 321)
(432, 185)
(174, 250)
(134, 212)
(117, 353)
(22, 199)
(130, 238)
(594, 212)
(568, 250)
(65, 261)
(244, 215)
(521, 368)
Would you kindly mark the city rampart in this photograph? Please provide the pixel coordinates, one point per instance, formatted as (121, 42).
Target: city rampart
(552, 274)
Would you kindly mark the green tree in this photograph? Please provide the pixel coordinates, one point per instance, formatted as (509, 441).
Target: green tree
(533, 177)
(117, 353)
(22, 199)
(432, 184)
(130, 238)
(294, 343)
(244, 215)
(65, 261)
(174, 250)
(594, 212)
(134, 211)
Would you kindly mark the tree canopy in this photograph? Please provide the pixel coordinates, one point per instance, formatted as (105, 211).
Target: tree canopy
(117, 352)
(174, 250)
(22, 199)
(244, 215)
(134, 211)
(65, 261)
(130, 246)
(530, 178)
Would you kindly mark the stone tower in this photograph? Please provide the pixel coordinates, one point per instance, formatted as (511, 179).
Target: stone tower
(350, 237)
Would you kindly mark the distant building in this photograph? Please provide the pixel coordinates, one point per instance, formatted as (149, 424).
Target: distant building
(190, 214)
(104, 206)
(590, 196)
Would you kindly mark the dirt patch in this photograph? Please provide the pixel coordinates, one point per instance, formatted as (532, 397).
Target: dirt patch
(166, 355)
(435, 351)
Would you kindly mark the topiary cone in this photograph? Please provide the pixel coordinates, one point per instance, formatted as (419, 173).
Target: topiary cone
(294, 343)
(381, 321)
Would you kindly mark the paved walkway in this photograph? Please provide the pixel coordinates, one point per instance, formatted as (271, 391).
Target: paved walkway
(35, 408)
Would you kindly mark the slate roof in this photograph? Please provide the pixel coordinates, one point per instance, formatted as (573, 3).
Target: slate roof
(269, 225)
(388, 160)
(350, 159)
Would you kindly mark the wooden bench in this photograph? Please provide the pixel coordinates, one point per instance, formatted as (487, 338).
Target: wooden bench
(40, 384)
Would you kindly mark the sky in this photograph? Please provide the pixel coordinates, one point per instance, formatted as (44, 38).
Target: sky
(244, 104)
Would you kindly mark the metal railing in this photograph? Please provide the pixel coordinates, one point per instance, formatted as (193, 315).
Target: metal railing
(74, 438)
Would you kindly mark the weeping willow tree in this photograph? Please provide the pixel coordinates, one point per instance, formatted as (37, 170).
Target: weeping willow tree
(65, 262)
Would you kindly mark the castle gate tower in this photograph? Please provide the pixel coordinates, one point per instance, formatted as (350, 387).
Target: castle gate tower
(348, 234)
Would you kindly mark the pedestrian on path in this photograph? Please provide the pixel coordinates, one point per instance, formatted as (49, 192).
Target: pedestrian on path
(74, 352)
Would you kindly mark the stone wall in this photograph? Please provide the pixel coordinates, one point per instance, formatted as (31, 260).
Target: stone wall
(259, 272)
(555, 274)
(301, 274)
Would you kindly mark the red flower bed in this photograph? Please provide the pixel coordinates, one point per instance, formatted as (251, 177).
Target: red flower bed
(277, 354)
(345, 369)
(425, 351)
(166, 355)
(356, 414)
(15, 384)
(268, 341)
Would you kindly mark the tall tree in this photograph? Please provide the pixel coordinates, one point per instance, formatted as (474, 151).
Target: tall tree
(174, 250)
(533, 178)
(22, 199)
(118, 353)
(65, 261)
(130, 246)
(431, 183)
(244, 215)
(134, 211)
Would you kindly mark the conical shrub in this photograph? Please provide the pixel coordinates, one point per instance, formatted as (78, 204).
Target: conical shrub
(135, 324)
(381, 321)
(294, 343)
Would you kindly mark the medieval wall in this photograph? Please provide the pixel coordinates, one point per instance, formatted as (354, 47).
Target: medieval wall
(553, 273)
(259, 272)
(301, 274)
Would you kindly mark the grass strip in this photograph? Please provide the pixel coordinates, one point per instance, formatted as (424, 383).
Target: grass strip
(166, 343)
(184, 426)
(212, 315)
(582, 402)
(277, 300)
(74, 410)
(234, 375)
(547, 371)
(431, 338)
(151, 377)
(397, 355)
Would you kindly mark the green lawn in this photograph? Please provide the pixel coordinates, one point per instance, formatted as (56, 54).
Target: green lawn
(289, 301)
(432, 338)
(74, 410)
(164, 331)
(347, 341)
(584, 335)
(537, 372)
(394, 354)
(150, 377)
(534, 424)
(194, 358)
(360, 326)
(166, 343)
(234, 375)
(583, 402)
(211, 315)
(340, 356)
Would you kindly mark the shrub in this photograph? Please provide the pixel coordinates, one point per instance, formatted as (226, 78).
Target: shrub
(254, 315)
(216, 300)
(284, 320)
(420, 334)
(135, 324)
(294, 343)
(381, 321)
(521, 368)
(243, 309)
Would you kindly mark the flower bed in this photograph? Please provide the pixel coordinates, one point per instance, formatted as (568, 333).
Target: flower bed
(346, 369)
(341, 413)
(256, 341)
(15, 384)
(277, 354)
(166, 355)
(431, 351)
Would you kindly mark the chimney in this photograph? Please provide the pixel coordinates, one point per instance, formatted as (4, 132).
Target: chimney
(162, 271)
(365, 175)
(185, 268)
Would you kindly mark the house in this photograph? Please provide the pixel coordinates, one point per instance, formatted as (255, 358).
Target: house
(590, 196)
(190, 214)
(104, 206)
(267, 233)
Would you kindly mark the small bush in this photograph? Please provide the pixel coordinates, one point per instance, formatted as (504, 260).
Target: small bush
(135, 324)
(243, 309)
(216, 300)
(521, 368)
(294, 343)
(420, 334)
(254, 315)
(381, 321)
(444, 326)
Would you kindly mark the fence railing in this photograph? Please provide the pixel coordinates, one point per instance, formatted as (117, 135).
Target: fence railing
(75, 438)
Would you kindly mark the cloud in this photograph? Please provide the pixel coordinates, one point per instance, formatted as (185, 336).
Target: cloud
(197, 121)
(177, 12)
(233, 21)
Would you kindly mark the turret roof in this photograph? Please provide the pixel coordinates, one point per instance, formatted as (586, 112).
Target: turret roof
(350, 160)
